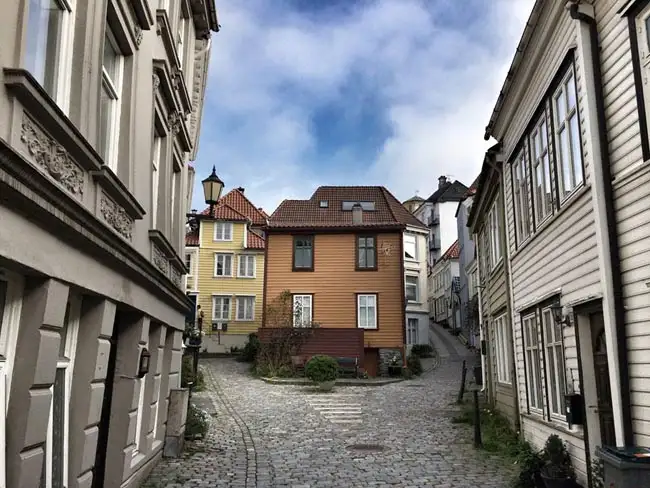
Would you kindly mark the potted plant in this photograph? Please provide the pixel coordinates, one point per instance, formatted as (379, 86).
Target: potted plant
(194, 336)
(395, 365)
(323, 370)
(557, 471)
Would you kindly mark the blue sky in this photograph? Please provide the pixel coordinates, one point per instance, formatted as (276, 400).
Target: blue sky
(303, 93)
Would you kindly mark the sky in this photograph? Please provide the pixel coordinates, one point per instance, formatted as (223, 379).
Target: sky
(303, 93)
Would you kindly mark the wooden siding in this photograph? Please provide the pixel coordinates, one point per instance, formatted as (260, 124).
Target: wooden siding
(210, 285)
(333, 342)
(334, 283)
(632, 203)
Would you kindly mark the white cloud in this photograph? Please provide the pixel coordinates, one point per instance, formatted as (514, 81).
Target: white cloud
(271, 68)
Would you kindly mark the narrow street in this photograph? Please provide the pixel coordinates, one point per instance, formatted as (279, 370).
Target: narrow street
(266, 435)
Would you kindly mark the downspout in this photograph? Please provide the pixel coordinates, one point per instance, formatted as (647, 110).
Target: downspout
(606, 234)
(480, 310)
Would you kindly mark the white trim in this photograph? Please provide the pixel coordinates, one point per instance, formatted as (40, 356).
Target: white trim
(238, 318)
(302, 322)
(155, 177)
(10, 323)
(115, 92)
(239, 264)
(374, 307)
(226, 225)
(503, 340)
(232, 263)
(417, 287)
(558, 374)
(64, 76)
(140, 386)
(533, 375)
(214, 308)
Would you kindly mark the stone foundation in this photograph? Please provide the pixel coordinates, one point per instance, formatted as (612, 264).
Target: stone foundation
(385, 357)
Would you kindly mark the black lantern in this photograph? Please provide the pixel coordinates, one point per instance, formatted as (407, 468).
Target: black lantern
(212, 187)
(145, 356)
(558, 316)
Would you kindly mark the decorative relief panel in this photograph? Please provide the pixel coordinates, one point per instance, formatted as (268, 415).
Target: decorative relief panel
(52, 157)
(176, 277)
(174, 120)
(116, 216)
(156, 81)
(160, 261)
(138, 34)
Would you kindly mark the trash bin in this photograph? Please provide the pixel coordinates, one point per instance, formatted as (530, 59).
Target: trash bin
(625, 467)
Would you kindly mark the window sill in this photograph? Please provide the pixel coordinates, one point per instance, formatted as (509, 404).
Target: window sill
(243, 321)
(365, 269)
(223, 276)
(120, 193)
(566, 204)
(555, 424)
(247, 277)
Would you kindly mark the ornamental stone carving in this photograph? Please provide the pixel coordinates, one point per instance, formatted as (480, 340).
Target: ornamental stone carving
(156, 81)
(174, 120)
(160, 261)
(52, 158)
(138, 34)
(116, 216)
(175, 276)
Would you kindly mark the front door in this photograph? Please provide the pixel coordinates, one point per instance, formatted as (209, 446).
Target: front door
(603, 390)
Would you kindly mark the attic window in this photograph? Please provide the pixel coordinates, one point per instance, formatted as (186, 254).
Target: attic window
(324, 204)
(367, 206)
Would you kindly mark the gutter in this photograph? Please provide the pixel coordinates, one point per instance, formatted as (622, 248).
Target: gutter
(605, 217)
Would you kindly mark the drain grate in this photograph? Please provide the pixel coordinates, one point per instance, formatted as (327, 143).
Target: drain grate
(366, 447)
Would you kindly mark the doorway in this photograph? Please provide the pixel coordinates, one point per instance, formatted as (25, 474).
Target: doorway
(604, 407)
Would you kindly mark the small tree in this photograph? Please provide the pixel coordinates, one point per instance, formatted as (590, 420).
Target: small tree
(321, 369)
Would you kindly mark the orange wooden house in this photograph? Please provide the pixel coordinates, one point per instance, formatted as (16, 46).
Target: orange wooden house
(340, 255)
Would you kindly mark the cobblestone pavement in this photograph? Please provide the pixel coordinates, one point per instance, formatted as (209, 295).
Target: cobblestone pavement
(266, 435)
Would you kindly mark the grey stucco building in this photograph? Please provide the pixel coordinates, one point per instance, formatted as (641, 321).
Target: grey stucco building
(466, 257)
(100, 109)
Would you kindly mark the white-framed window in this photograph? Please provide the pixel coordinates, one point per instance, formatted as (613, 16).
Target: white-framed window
(222, 264)
(412, 288)
(48, 47)
(140, 384)
(175, 190)
(302, 310)
(494, 223)
(533, 364)
(111, 99)
(410, 247)
(542, 193)
(246, 308)
(567, 136)
(223, 231)
(180, 41)
(503, 341)
(642, 20)
(247, 263)
(521, 197)
(367, 311)
(156, 149)
(161, 395)
(554, 362)
(57, 441)
(412, 331)
(220, 307)
(190, 263)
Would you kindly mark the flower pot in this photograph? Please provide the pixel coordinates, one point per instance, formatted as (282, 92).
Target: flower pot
(557, 482)
(326, 385)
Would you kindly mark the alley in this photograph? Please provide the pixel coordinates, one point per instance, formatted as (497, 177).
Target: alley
(268, 435)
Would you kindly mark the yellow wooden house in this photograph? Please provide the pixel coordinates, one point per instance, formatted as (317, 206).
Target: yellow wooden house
(224, 254)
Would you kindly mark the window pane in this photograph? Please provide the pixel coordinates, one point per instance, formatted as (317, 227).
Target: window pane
(105, 121)
(43, 42)
(560, 107)
(571, 92)
(565, 160)
(575, 149)
(552, 380)
(111, 56)
(362, 258)
(370, 258)
(3, 300)
(58, 419)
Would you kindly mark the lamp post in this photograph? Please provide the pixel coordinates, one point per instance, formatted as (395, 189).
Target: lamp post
(212, 187)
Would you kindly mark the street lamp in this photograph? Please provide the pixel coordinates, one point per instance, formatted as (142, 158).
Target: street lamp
(212, 187)
(558, 315)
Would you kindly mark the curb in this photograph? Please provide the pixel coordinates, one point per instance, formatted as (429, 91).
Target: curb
(299, 382)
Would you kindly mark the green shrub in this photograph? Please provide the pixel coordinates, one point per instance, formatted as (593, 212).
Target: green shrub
(557, 459)
(197, 422)
(322, 368)
(422, 350)
(414, 364)
(249, 353)
(530, 463)
(407, 374)
(187, 375)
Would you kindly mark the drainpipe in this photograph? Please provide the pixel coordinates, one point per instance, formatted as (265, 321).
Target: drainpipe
(602, 194)
(480, 311)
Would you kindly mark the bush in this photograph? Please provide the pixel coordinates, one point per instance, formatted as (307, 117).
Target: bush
(197, 423)
(187, 375)
(422, 350)
(414, 364)
(407, 374)
(530, 462)
(557, 459)
(249, 352)
(322, 368)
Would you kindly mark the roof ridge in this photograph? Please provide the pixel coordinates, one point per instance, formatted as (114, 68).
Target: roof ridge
(384, 191)
(248, 200)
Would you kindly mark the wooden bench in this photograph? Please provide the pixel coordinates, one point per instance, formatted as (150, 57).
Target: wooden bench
(348, 366)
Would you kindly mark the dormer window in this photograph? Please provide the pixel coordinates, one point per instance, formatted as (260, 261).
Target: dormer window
(324, 204)
(346, 206)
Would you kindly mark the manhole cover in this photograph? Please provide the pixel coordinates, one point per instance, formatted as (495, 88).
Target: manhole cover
(366, 447)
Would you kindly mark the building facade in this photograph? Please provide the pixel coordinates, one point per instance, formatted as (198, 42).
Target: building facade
(99, 116)
(415, 285)
(444, 283)
(466, 252)
(225, 256)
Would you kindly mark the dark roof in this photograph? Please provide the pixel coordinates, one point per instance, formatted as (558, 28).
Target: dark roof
(453, 252)
(307, 214)
(481, 182)
(448, 192)
(416, 198)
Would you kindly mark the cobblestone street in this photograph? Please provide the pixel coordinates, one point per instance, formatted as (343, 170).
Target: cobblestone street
(266, 435)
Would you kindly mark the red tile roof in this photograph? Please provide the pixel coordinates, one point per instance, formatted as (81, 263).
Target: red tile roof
(192, 238)
(237, 201)
(255, 241)
(453, 252)
(309, 214)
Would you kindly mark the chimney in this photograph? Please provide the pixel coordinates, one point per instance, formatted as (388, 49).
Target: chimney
(442, 181)
(357, 214)
(241, 189)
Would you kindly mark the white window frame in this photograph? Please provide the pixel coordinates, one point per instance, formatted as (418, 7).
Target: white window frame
(411, 285)
(250, 271)
(541, 168)
(554, 359)
(115, 92)
(156, 153)
(245, 298)
(226, 231)
(221, 298)
(494, 226)
(412, 331)
(572, 169)
(643, 46)
(502, 342)
(180, 41)
(67, 364)
(411, 239)
(140, 384)
(521, 198)
(299, 318)
(532, 348)
(173, 183)
(225, 255)
(360, 323)
(192, 262)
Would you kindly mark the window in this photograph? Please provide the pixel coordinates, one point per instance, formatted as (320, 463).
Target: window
(246, 308)
(324, 204)
(412, 331)
(303, 253)
(139, 388)
(554, 362)
(520, 189)
(246, 266)
(494, 223)
(220, 307)
(410, 247)
(180, 42)
(223, 231)
(503, 340)
(567, 136)
(175, 190)
(542, 195)
(366, 252)
(189, 263)
(412, 292)
(155, 178)
(223, 264)
(112, 74)
(533, 365)
(302, 310)
(367, 311)
(642, 66)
